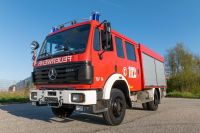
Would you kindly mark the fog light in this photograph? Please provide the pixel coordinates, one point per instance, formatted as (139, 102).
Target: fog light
(34, 95)
(77, 97)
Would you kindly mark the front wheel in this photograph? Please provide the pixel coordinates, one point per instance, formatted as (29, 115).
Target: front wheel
(116, 109)
(62, 112)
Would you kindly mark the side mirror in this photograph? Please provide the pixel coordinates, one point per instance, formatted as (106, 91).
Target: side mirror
(107, 27)
(107, 34)
(106, 38)
(34, 45)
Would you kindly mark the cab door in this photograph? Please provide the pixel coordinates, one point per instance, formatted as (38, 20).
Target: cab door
(102, 60)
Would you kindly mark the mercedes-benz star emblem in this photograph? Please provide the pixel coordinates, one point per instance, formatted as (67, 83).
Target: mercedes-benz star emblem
(52, 74)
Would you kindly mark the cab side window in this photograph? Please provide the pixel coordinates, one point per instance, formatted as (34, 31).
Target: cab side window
(96, 42)
(130, 51)
(119, 47)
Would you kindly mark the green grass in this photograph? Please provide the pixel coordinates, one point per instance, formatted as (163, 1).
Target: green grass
(183, 95)
(14, 97)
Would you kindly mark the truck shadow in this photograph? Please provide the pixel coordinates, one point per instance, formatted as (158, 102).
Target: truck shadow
(44, 114)
(88, 118)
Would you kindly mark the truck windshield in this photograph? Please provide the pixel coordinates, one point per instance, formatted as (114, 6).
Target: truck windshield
(71, 41)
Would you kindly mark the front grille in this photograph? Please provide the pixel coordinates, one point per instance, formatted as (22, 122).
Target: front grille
(66, 73)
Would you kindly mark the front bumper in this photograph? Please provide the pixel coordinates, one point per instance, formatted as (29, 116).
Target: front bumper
(62, 97)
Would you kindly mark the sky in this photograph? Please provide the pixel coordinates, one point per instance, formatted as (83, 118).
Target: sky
(159, 24)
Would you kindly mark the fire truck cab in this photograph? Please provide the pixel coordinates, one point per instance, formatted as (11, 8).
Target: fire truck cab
(88, 66)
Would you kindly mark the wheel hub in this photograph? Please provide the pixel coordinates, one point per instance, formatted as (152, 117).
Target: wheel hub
(117, 107)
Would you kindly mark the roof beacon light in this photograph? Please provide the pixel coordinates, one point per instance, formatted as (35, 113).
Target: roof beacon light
(54, 29)
(95, 16)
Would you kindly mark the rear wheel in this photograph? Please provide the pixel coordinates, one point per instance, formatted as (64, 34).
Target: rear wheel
(144, 105)
(62, 112)
(116, 109)
(153, 105)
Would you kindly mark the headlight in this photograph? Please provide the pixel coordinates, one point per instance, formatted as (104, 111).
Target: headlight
(77, 97)
(34, 95)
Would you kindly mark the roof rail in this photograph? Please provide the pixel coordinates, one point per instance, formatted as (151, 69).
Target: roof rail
(72, 22)
(94, 16)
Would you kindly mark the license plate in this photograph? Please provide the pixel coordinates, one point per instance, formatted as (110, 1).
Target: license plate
(51, 99)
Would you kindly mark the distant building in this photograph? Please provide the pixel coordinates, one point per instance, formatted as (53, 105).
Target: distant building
(26, 83)
(12, 88)
(23, 84)
(5, 84)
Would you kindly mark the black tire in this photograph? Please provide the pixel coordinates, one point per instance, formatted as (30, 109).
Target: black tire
(116, 109)
(144, 105)
(62, 112)
(153, 105)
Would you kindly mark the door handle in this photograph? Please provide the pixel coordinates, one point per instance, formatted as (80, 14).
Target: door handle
(138, 70)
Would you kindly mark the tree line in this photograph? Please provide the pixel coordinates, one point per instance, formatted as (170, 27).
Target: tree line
(183, 70)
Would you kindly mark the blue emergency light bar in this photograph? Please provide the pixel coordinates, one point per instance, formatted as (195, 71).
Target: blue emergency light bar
(54, 29)
(95, 16)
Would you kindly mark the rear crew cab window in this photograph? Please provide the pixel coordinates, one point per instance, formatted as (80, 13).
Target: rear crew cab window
(130, 51)
(119, 47)
(96, 42)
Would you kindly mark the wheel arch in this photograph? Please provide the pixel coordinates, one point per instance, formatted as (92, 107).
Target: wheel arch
(117, 81)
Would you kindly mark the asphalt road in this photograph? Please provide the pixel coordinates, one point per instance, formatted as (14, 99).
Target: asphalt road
(174, 115)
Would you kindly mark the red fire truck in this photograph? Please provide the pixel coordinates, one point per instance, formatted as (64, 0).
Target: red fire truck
(88, 66)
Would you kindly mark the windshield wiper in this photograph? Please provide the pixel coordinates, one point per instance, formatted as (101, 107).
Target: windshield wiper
(46, 55)
(74, 51)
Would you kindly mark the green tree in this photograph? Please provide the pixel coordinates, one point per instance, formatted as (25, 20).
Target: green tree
(184, 70)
